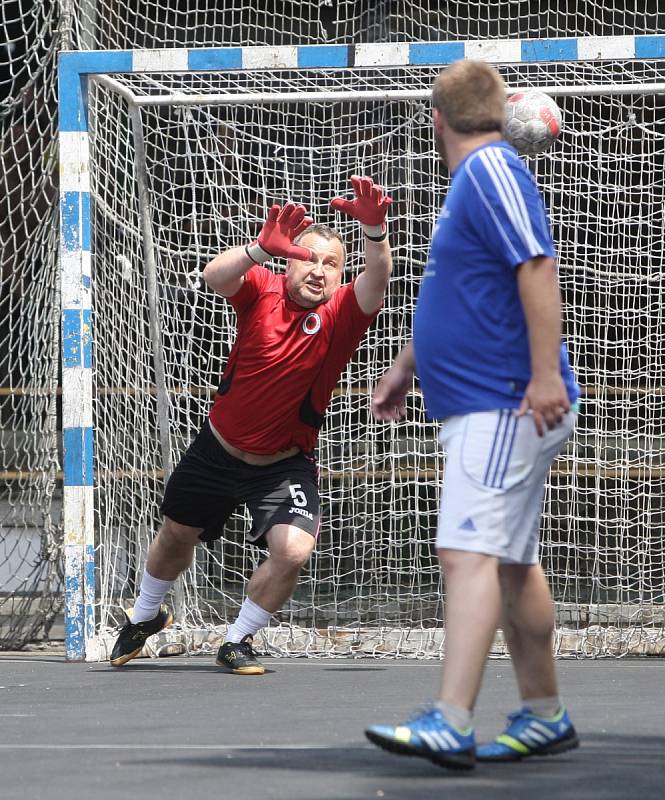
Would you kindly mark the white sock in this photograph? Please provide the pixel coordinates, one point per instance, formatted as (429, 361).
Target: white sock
(458, 716)
(544, 706)
(152, 593)
(250, 619)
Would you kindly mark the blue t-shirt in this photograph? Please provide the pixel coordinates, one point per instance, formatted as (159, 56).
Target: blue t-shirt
(470, 334)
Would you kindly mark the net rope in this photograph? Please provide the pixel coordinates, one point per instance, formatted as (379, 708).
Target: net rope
(30, 565)
(205, 23)
(30, 422)
(373, 584)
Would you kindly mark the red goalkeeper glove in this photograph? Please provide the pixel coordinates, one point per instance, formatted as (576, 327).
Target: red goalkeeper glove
(279, 230)
(369, 207)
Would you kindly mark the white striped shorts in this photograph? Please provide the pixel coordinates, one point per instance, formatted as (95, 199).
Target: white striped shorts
(494, 482)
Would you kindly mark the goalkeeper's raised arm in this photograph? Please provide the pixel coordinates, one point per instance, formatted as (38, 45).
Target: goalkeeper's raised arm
(370, 207)
(226, 272)
(282, 235)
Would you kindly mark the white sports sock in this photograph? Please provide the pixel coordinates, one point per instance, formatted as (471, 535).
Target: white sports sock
(152, 593)
(458, 716)
(544, 706)
(250, 619)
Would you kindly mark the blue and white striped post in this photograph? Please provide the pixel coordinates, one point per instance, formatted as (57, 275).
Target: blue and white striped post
(75, 281)
(75, 234)
(76, 367)
(76, 351)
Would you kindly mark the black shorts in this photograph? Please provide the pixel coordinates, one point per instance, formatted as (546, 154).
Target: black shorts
(209, 484)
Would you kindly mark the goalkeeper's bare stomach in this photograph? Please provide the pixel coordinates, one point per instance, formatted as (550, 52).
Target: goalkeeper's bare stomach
(255, 459)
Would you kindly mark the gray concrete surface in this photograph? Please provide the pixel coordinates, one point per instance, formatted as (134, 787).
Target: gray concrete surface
(180, 728)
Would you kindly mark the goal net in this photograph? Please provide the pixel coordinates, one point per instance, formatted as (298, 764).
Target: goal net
(185, 164)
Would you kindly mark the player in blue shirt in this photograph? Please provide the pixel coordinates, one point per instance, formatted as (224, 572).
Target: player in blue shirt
(487, 350)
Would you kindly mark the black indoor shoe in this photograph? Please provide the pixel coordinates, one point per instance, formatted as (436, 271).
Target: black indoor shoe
(132, 637)
(239, 657)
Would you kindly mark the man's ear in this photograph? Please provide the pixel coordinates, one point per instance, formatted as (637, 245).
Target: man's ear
(437, 119)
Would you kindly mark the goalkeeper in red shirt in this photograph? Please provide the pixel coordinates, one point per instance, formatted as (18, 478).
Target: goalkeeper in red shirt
(295, 334)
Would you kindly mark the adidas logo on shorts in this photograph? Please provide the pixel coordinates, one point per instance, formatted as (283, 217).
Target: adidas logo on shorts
(467, 525)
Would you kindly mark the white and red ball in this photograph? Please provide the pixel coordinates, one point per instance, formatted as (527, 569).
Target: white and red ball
(533, 122)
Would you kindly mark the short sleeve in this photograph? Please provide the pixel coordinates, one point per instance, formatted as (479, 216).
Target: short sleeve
(257, 280)
(507, 207)
(344, 304)
(349, 326)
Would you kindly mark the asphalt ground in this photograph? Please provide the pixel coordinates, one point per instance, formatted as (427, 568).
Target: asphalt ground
(181, 728)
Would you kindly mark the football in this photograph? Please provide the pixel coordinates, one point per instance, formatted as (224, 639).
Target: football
(533, 122)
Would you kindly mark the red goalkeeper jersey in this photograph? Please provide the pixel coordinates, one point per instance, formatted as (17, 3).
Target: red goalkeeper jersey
(284, 364)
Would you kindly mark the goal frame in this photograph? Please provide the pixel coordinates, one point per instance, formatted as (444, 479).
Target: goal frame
(74, 71)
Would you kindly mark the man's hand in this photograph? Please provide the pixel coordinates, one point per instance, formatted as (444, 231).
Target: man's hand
(279, 230)
(547, 399)
(369, 206)
(388, 402)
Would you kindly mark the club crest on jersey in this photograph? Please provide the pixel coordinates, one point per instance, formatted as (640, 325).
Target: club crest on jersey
(312, 323)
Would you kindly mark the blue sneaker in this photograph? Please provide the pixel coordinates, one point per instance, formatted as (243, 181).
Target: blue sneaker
(529, 735)
(429, 735)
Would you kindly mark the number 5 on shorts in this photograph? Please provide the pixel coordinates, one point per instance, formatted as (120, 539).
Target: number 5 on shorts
(299, 499)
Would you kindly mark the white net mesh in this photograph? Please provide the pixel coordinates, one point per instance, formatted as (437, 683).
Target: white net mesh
(373, 584)
(180, 23)
(30, 572)
(32, 34)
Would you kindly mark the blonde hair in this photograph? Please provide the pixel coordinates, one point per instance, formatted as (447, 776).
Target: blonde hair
(471, 96)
